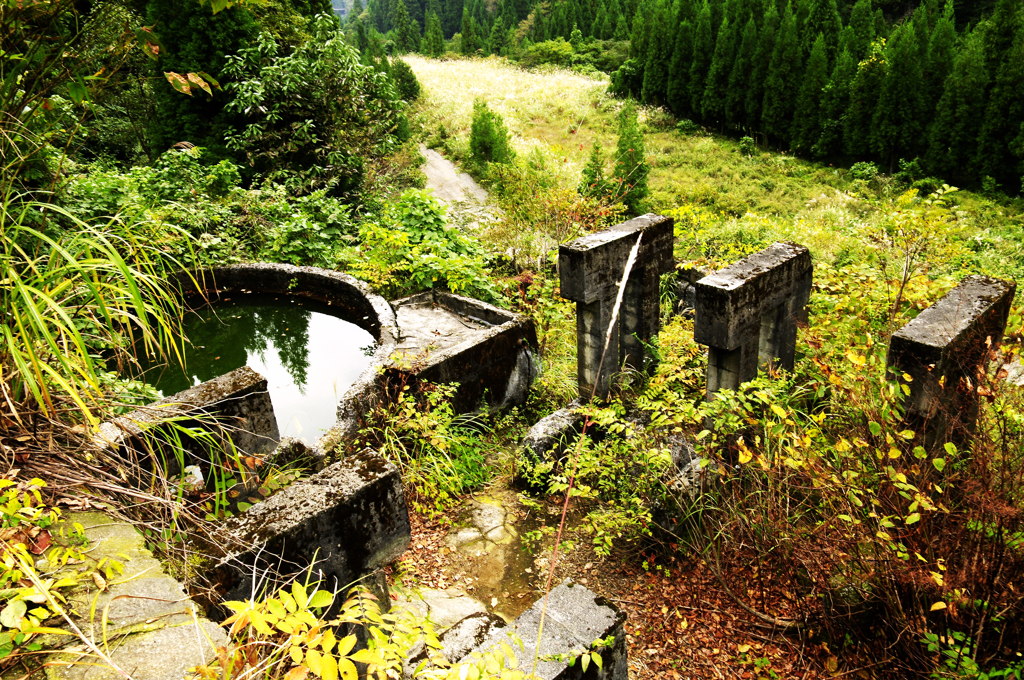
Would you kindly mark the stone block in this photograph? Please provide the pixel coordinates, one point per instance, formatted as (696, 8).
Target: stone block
(447, 338)
(747, 313)
(591, 270)
(575, 618)
(944, 349)
(730, 302)
(345, 521)
(143, 618)
(548, 436)
(235, 405)
(590, 267)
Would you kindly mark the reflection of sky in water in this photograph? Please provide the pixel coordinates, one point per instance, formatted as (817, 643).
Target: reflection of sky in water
(309, 358)
(335, 360)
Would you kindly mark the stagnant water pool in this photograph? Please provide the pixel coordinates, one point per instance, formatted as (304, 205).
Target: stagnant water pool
(308, 356)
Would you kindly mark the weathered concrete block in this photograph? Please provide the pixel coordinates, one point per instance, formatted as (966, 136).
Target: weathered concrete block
(576, 617)
(236, 405)
(346, 521)
(747, 313)
(447, 338)
(944, 349)
(730, 302)
(457, 641)
(591, 269)
(552, 432)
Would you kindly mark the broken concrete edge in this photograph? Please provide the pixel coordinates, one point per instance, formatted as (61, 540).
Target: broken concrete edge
(975, 309)
(353, 299)
(338, 525)
(551, 434)
(575, 621)
(477, 365)
(730, 301)
(153, 629)
(942, 350)
(583, 264)
(223, 404)
(456, 642)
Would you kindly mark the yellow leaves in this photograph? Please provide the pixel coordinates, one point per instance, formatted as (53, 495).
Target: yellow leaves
(856, 359)
(779, 411)
(346, 645)
(938, 606)
(328, 667)
(185, 83)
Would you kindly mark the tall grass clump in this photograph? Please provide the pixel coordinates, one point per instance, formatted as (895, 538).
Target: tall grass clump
(76, 296)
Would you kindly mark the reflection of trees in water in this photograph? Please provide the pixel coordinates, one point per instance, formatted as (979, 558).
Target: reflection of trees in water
(287, 328)
(222, 337)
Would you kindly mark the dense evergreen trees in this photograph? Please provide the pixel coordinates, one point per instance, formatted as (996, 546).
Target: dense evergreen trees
(843, 80)
(867, 88)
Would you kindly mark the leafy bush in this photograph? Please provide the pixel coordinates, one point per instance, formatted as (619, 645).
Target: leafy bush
(410, 248)
(312, 114)
(406, 85)
(747, 146)
(631, 167)
(489, 139)
(442, 455)
(864, 171)
(557, 52)
(687, 127)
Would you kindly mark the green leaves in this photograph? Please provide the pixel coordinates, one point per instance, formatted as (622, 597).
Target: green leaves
(69, 296)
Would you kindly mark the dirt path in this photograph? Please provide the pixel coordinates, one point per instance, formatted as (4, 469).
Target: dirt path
(469, 205)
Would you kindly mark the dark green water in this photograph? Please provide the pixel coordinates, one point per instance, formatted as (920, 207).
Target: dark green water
(309, 357)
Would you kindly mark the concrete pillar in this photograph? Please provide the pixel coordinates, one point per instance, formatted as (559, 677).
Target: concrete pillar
(590, 269)
(748, 312)
(944, 351)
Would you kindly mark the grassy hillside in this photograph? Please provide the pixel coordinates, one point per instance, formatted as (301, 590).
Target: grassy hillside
(726, 195)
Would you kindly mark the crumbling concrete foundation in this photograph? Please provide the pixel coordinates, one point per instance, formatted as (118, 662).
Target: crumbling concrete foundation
(591, 269)
(944, 351)
(747, 314)
(344, 523)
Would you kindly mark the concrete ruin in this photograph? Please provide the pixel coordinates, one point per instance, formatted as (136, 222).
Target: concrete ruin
(575, 620)
(343, 523)
(349, 299)
(447, 338)
(747, 314)
(165, 437)
(944, 351)
(591, 269)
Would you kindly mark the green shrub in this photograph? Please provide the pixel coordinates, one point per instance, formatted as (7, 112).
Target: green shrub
(406, 85)
(411, 248)
(442, 455)
(557, 52)
(489, 139)
(747, 146)
(864, 171)
(311, 115)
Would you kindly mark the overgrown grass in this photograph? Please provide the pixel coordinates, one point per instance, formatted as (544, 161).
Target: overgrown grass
(758, 196)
